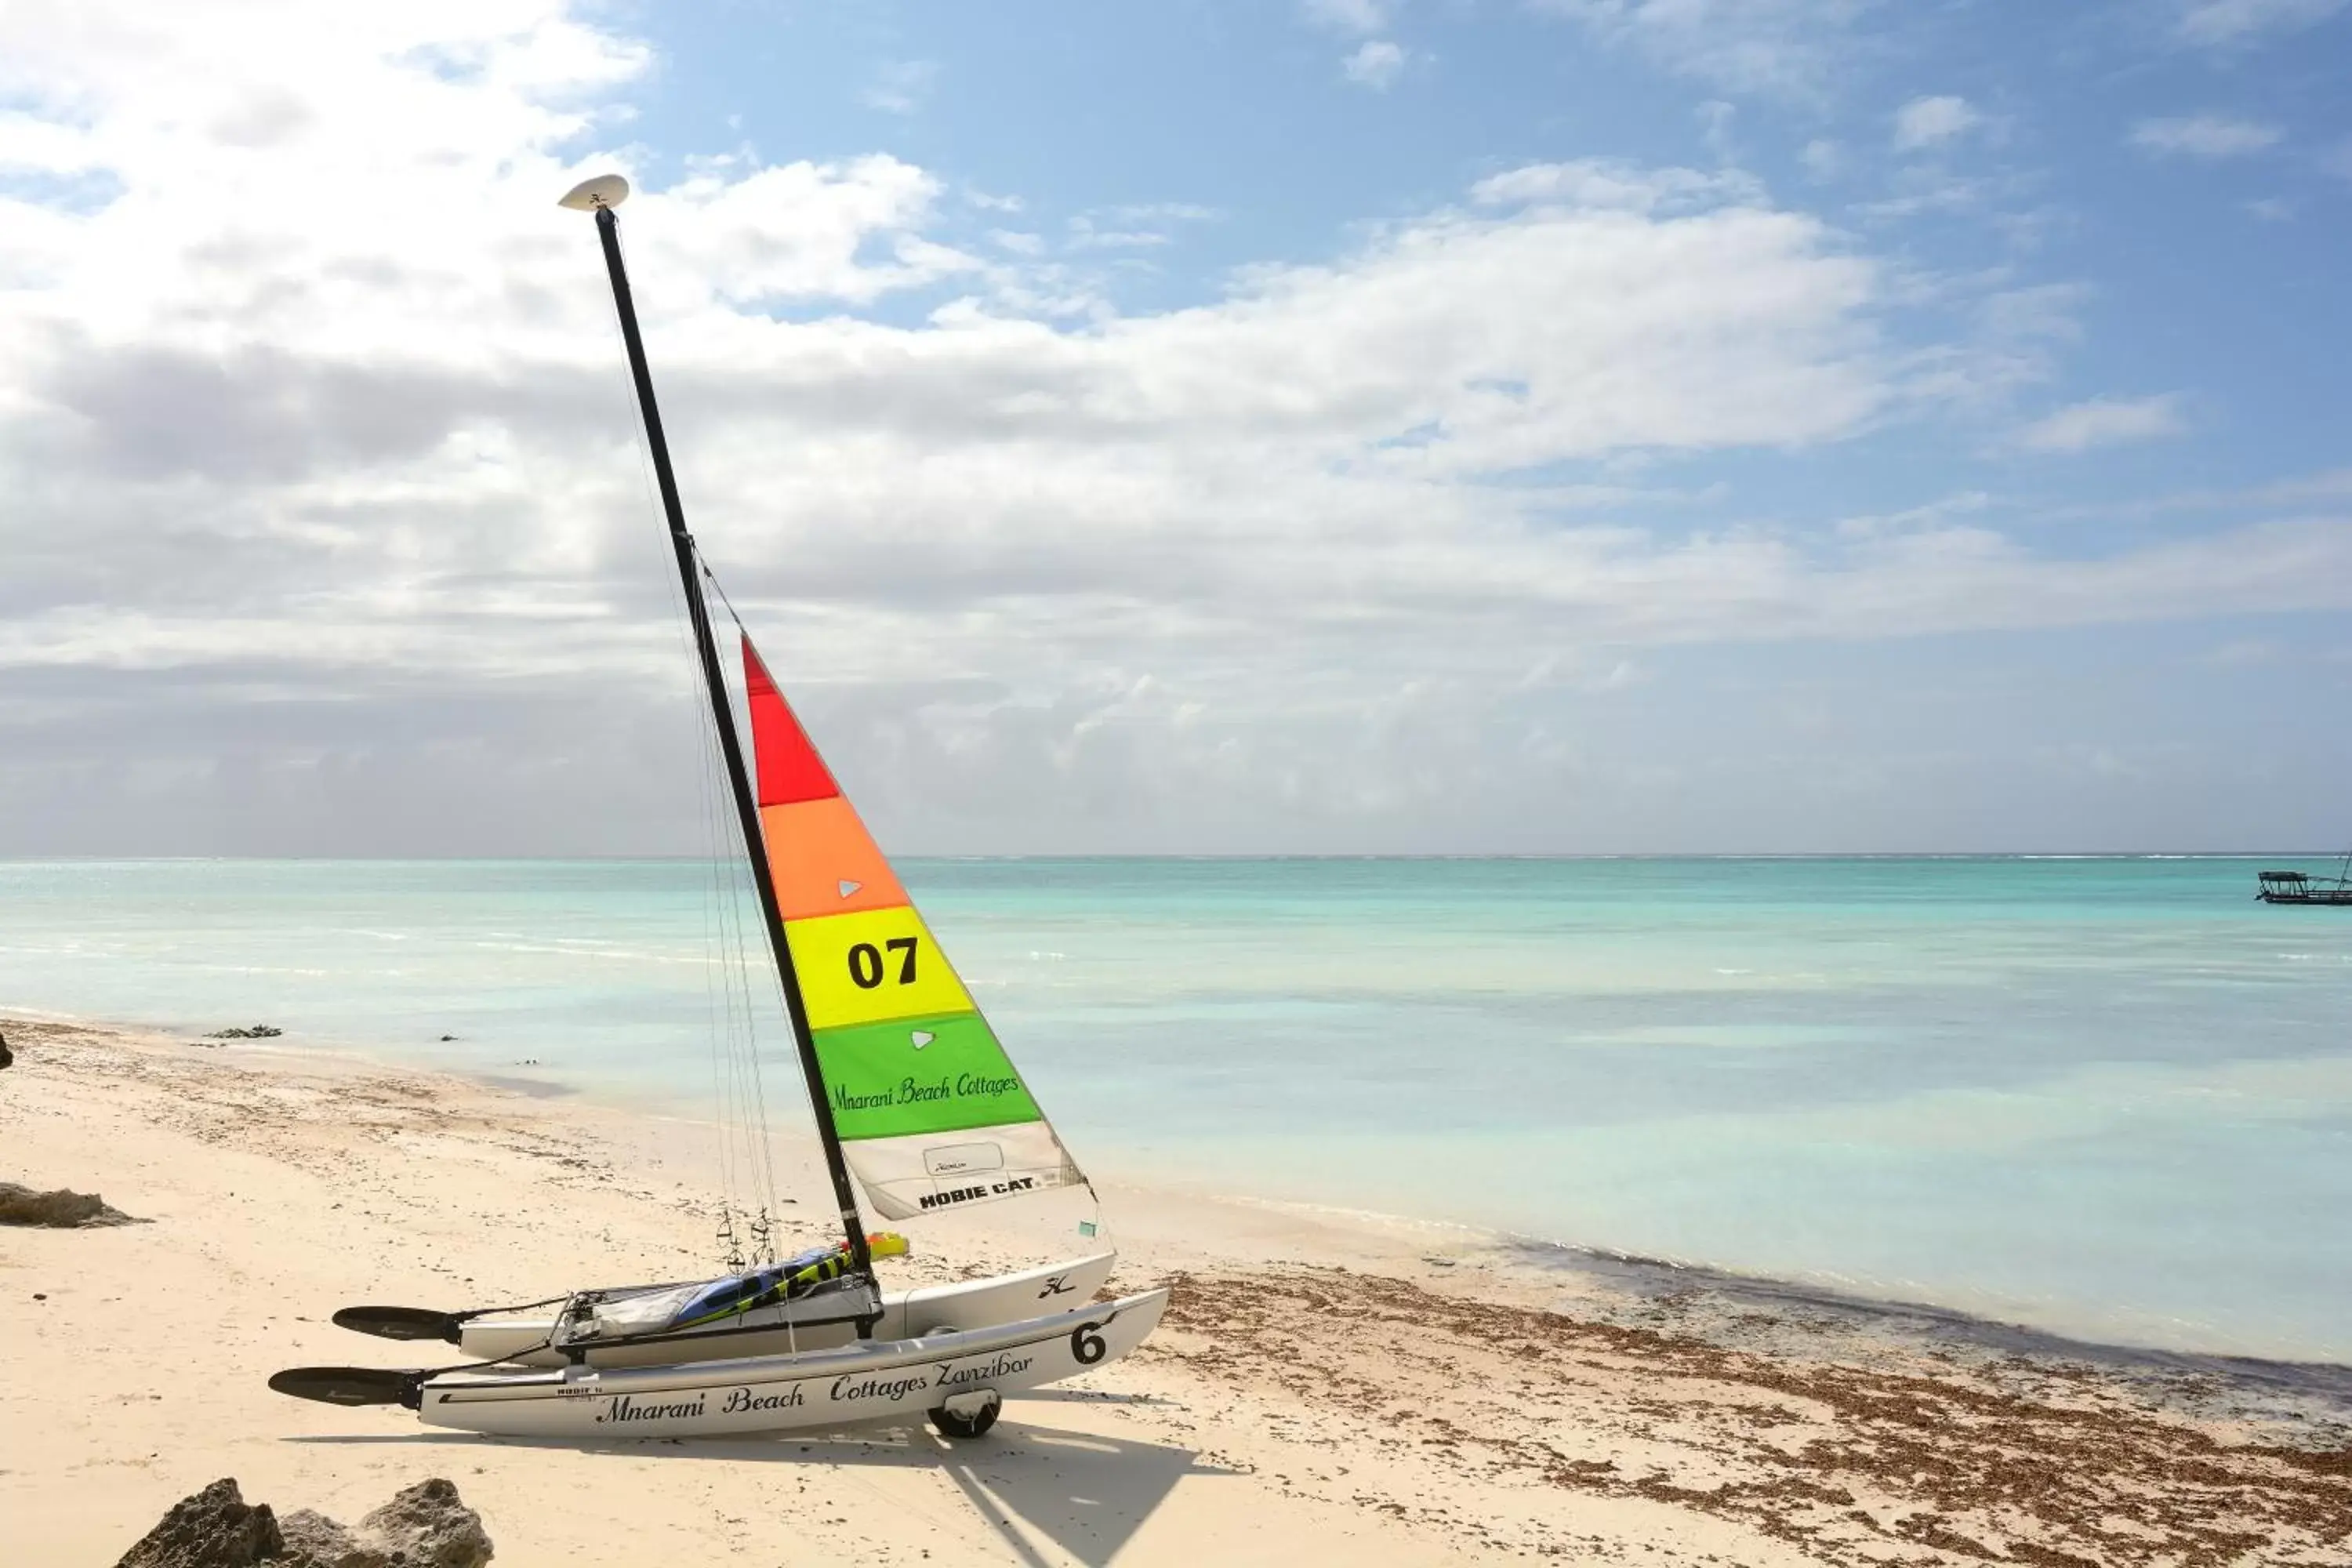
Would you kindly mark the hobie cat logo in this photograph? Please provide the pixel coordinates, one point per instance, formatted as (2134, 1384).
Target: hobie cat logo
(968, 1194)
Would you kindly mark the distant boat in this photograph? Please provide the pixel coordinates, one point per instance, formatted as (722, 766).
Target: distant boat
(2295, 888)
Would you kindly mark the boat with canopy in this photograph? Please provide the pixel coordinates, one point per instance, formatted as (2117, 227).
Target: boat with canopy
(916, 1106)
(2300, 888)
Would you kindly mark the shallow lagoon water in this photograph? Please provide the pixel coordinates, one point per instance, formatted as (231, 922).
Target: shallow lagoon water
(2104, 1097)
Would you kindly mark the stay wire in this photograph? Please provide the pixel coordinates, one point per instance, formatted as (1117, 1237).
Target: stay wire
(758, 1076)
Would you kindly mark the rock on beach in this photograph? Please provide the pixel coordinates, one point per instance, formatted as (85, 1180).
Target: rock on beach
(216, 1527)
(423, 1526)
(59, 1210)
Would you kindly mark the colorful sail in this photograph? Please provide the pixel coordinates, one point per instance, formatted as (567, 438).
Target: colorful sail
(928, 1109)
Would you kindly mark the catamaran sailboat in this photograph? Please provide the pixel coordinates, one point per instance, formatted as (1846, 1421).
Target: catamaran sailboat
(917, 1105)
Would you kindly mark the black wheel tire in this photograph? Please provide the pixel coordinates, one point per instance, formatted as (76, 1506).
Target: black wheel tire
(950, 1425)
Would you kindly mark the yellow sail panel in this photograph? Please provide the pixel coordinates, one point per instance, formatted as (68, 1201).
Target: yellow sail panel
(872, 966)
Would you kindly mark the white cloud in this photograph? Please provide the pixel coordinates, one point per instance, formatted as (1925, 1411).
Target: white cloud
(1716, 119)
(1351, 16)
(1087, 235)
(2210, 137)
(1783, 48)
(316, 445)
(1598, 182)
(2105, 422)
(1375, 65)
(1164, 212)
(899, 87)
(2230, 22)
(1932, 122)
(1133, 225)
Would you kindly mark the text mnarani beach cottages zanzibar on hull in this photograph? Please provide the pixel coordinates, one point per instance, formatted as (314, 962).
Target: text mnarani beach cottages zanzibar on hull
(929, 1111)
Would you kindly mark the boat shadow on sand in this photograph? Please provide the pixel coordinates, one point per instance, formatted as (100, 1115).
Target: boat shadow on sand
(1086, 1493)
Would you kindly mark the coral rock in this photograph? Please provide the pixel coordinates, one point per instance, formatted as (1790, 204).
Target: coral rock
(426, 1526)
(214, 1528)
(314, 1541)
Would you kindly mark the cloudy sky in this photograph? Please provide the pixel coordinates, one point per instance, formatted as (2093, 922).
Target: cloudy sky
(1210, 426)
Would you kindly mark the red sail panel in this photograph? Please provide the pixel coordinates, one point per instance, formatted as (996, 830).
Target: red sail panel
(789, 768)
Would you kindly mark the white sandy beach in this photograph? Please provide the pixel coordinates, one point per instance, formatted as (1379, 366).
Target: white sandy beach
(1327, 1388)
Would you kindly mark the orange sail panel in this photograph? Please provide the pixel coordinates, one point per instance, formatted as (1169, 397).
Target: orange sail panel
(930, 1112)
(825, 862)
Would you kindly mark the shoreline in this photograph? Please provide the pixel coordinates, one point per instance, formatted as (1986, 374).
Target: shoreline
(1397, 1391)
(1638, 1277)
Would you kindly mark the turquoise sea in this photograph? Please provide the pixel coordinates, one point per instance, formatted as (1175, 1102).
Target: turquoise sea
(2110, 1097)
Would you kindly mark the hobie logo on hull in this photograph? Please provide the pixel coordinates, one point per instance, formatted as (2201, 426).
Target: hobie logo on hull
(968, 1194)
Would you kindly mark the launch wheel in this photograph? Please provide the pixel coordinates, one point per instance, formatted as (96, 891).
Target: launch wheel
(967, 1414)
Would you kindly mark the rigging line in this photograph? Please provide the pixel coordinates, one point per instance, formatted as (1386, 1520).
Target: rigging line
(723, 956)
(750, 1121)
(720, 979)
(742, 1090)
(715, 1026)
(748, 1110)
(741, 1127)
(764, 1153)
(760, 1156)
(718, 996)
(743, 1114)
(759, 1084)
(724, 602)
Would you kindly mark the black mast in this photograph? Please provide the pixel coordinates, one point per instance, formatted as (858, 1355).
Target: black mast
(747, 809)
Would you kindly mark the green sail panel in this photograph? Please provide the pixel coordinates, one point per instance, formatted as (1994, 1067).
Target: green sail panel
(913, 1075)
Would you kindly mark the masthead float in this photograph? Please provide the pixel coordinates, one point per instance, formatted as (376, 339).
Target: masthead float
(916, 1103)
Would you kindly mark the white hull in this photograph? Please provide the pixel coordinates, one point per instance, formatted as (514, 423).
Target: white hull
(965, 1304)
(878, 1380)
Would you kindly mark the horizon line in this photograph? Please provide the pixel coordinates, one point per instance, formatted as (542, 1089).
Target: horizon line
(1231, 855)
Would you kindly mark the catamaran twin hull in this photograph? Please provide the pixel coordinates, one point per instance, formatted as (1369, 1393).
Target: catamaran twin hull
(879, 1380)
(923, 1310)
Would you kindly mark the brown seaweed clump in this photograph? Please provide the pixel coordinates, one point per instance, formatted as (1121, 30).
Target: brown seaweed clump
(59, 1210)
